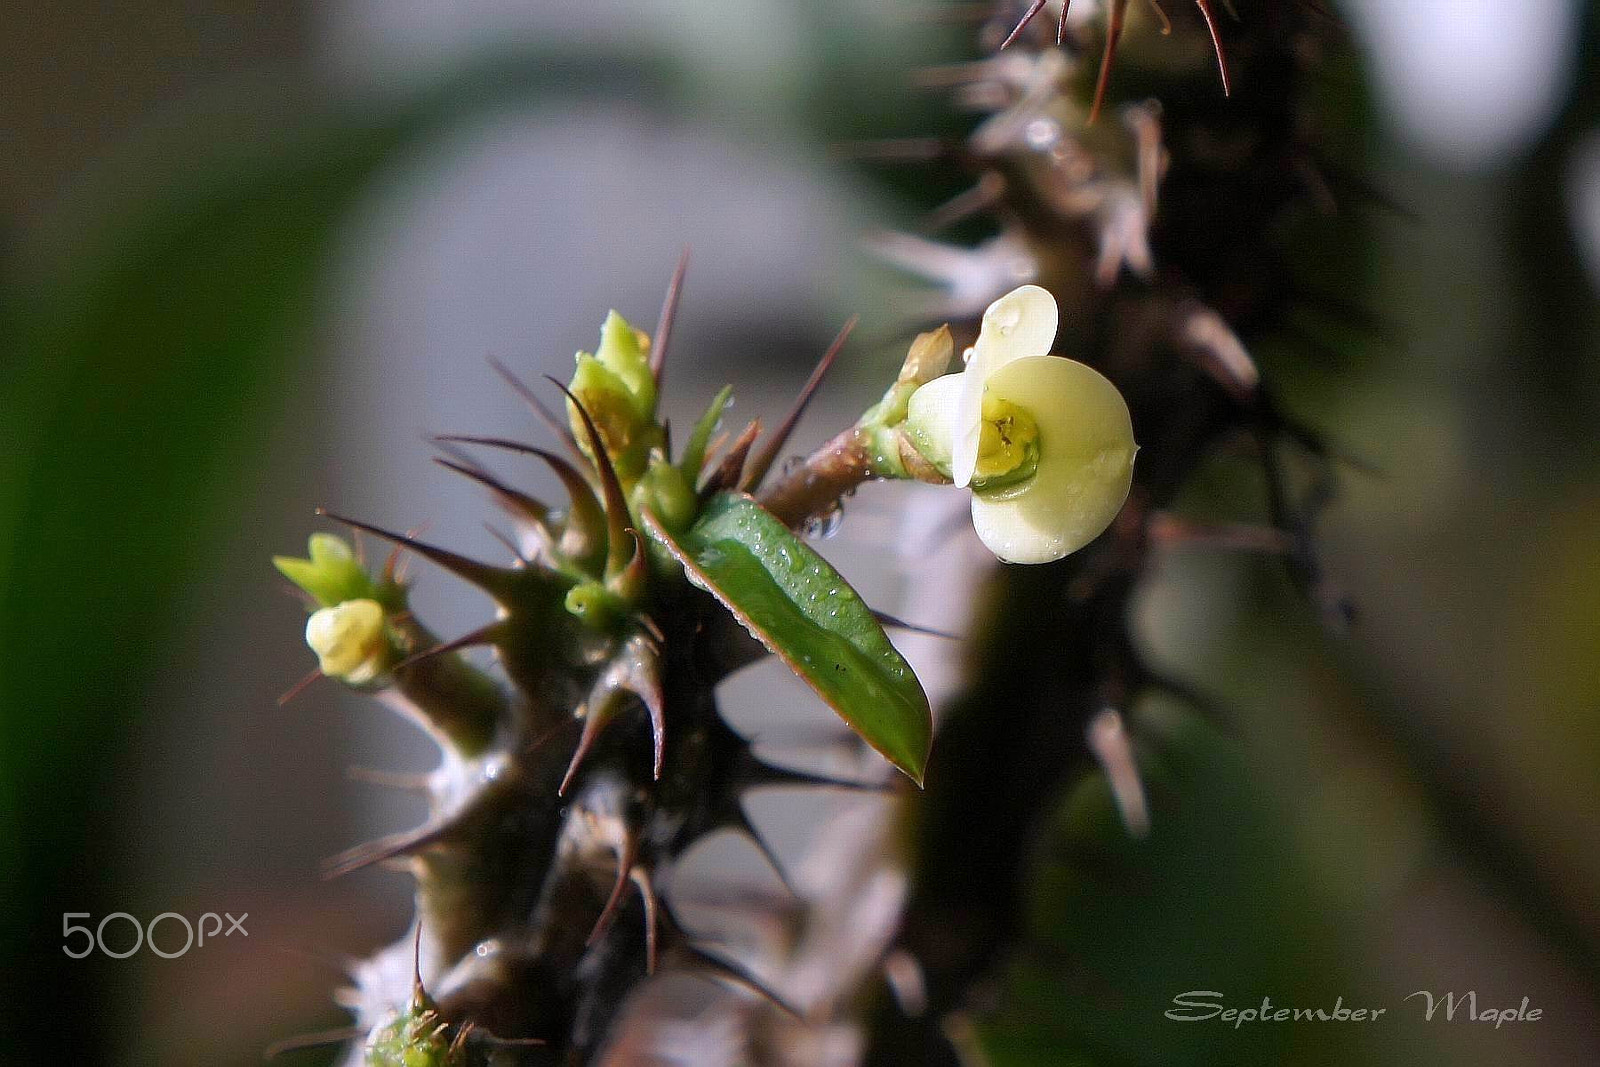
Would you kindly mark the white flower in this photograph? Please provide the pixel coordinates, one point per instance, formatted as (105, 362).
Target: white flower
(1044, 443)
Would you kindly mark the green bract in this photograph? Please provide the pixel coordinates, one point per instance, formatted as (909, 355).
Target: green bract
(1045, 443)
(331, 575)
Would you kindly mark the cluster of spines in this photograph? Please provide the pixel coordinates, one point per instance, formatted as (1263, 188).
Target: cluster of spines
(545, 824)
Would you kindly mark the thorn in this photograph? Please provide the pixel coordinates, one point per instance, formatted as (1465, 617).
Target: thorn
(644, 681)
(509, 1042)
(411, 783)
(616, 505)
(885, 619)
(1016, 31)
(1108, 741)
(742, 822)
(320, 1039)
(647, 896)
(405, 843)
(586, 521)
(769, 453)
(418, 993)
(728, 972)
(495, 580)
(652, 627)
(515, 500)
(669, 314)
(630, 584)
(300, 687)
(483, 635)
(716, 445)
(1210, 343)
(540, 409)
(988, 191)
(1161, 13)
(759, 774)
(591, 730)
(626, 854)
(1061, 23)
(906, 981)
(510, 543)
(1119, 12)
(1216, 44)
(1167, 529)
(728, 470)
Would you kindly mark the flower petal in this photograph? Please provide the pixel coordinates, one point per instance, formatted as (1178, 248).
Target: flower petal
(1085, 470)
(1018, 325)
(931, 418)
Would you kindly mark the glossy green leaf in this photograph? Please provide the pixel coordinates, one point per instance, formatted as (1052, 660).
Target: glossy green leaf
(797, 605)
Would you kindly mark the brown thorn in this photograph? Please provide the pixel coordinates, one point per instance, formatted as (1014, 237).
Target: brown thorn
(1061, 23)
(1016, 31)
(1216, 44)
(300, 687)
(1167, 529)
(391, 565)
(647, 896)
(625, 857)
(417, 991)
(631, 582)
(482, 575)
(539, 407)
(405, 843)
(669, 314)
(988, 191)
(744, 824)
(769, 453)
(1161, 13)
(616, 505)
(1119, 12)
(320, 1039)
(591, 730)
(483, 635)
(728, 972)
(716, 445)
(585, 516)
(728, 469)
(898, 150)
(652, 627)
(894, 622)
(508, 541)
(526, 506)
(1111, 747)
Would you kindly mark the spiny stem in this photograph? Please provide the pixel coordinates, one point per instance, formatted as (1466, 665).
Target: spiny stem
(815, 486)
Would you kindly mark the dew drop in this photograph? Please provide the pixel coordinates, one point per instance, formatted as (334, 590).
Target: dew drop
(825, 525)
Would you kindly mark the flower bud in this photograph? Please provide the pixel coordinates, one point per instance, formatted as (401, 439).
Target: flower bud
(350, 639)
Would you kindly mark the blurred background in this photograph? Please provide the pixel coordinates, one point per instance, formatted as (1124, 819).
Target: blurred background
(254, 254)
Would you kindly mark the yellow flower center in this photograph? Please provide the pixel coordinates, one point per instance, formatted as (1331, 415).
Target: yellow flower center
(1008, 434)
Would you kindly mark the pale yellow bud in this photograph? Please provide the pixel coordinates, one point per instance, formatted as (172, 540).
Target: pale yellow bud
(349, 640)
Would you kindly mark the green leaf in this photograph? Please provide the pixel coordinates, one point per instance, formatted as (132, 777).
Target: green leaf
(797, 605)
